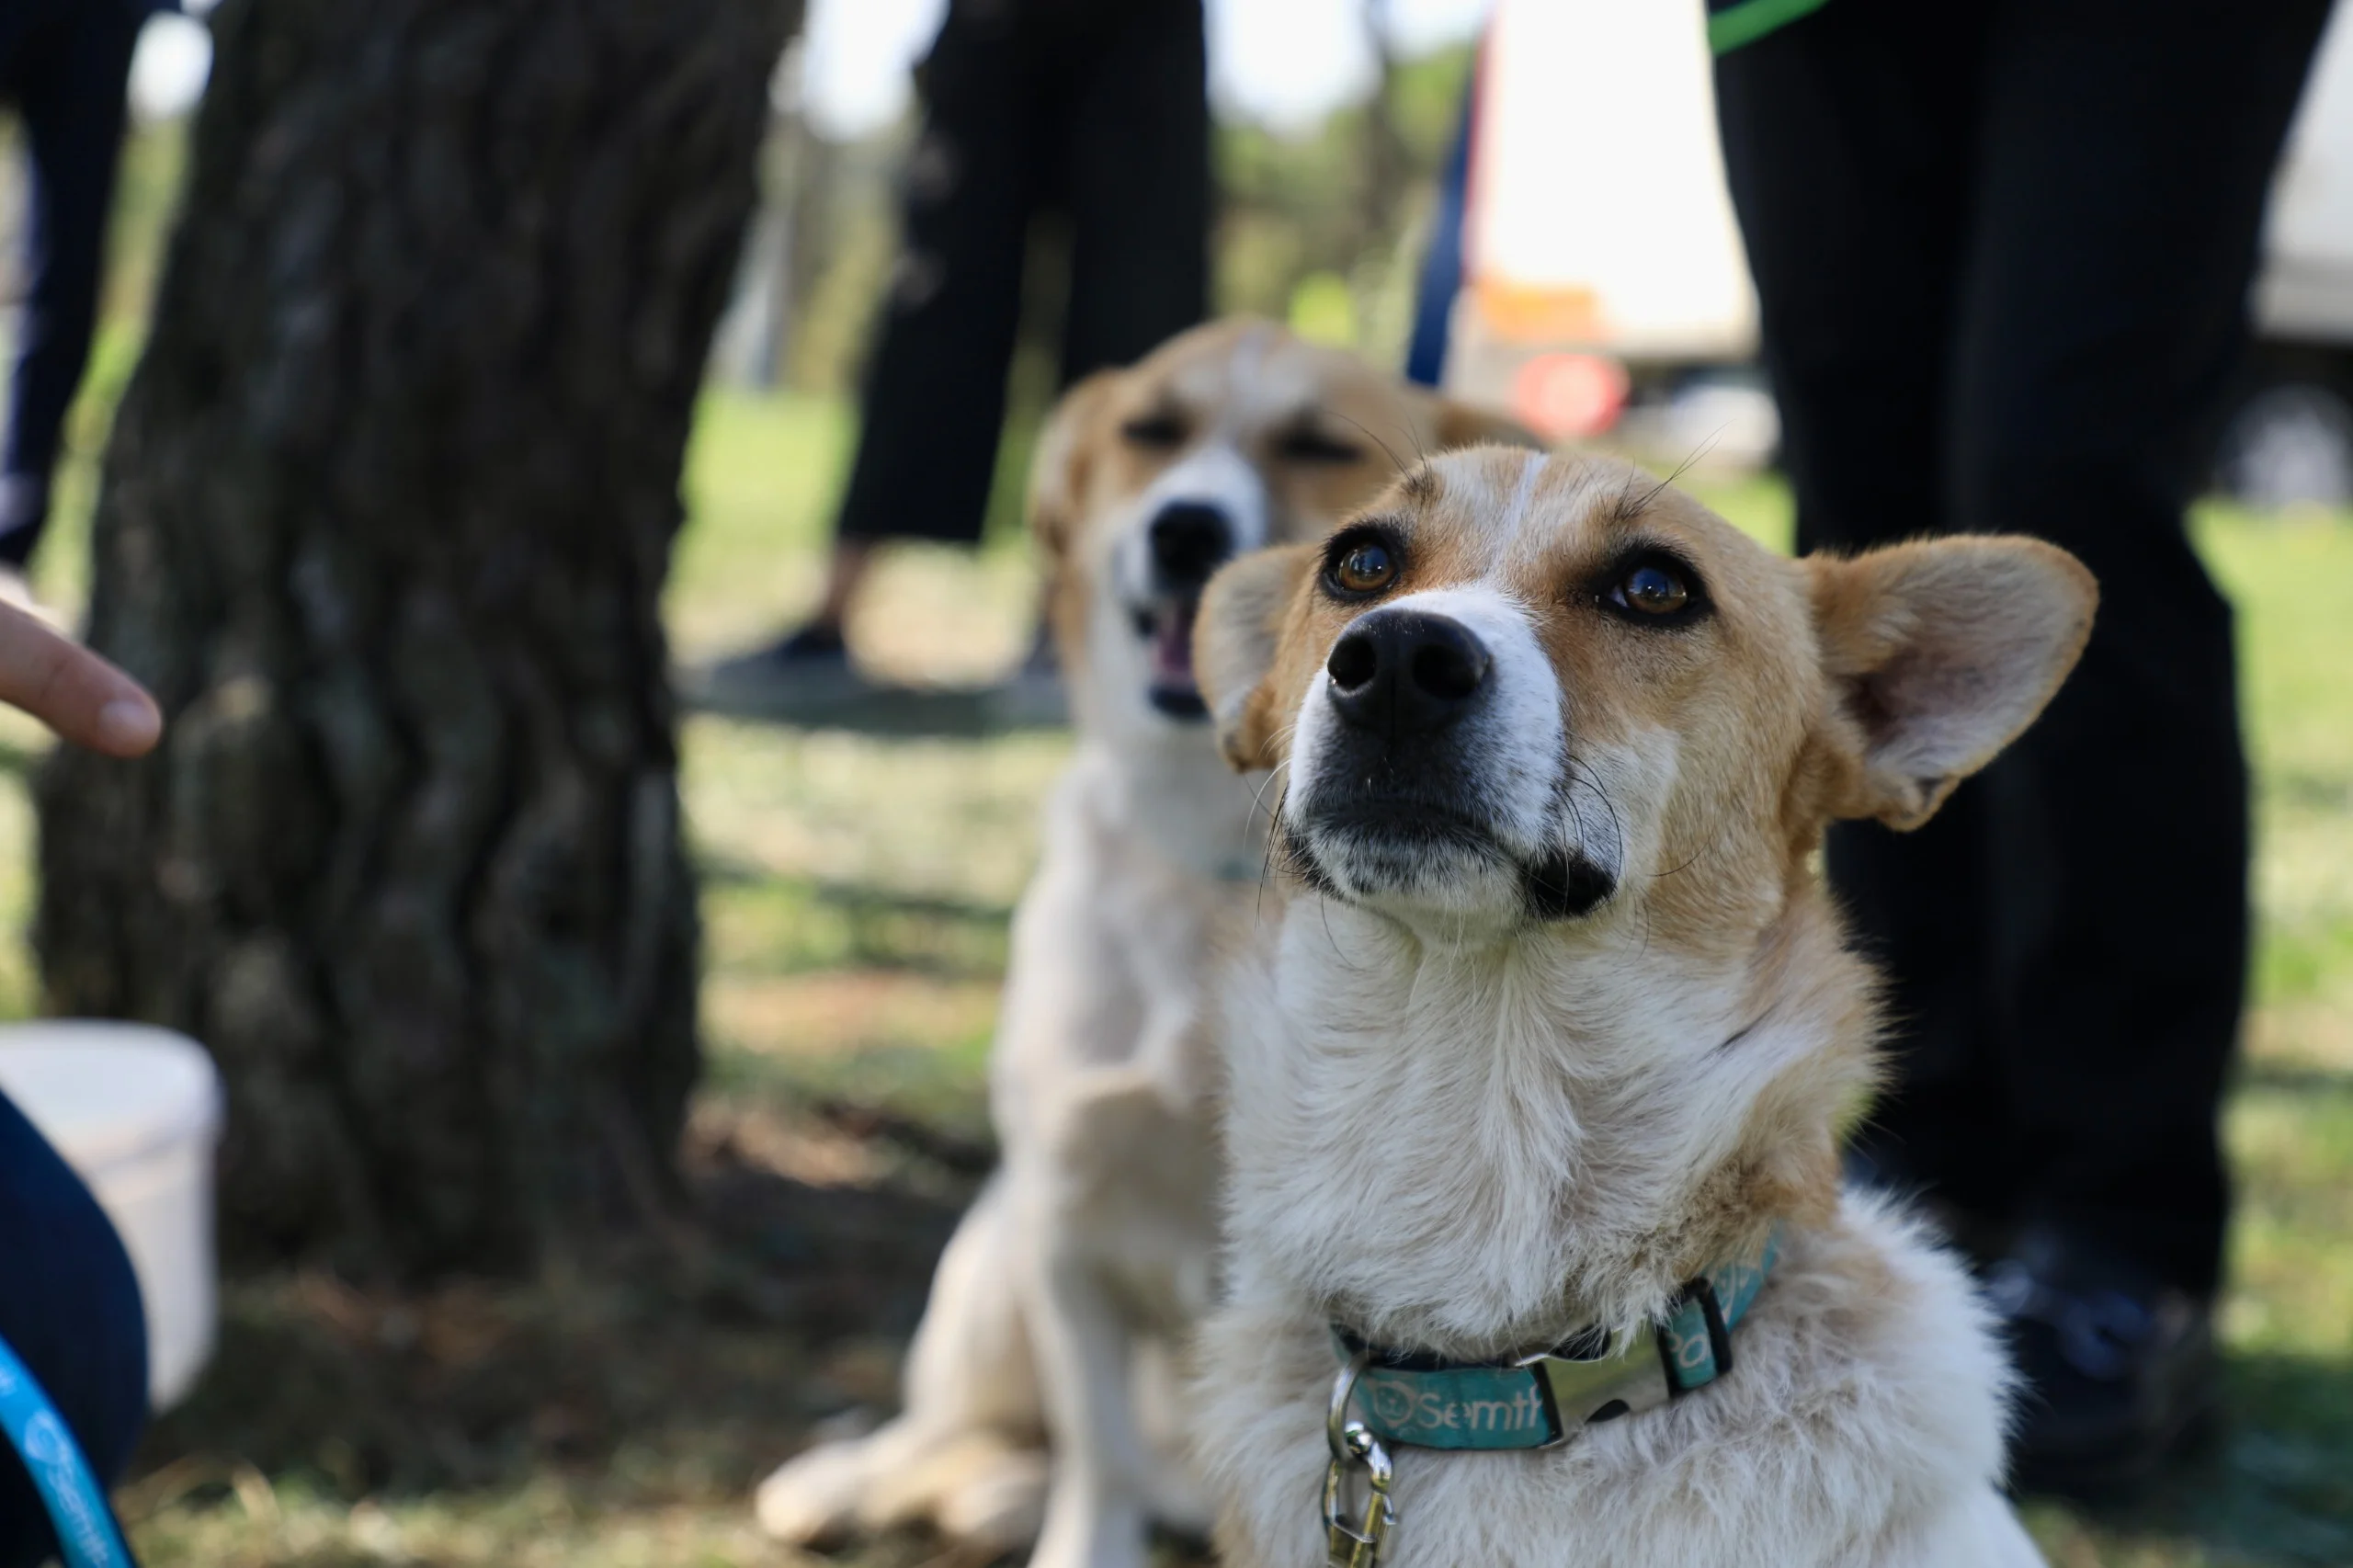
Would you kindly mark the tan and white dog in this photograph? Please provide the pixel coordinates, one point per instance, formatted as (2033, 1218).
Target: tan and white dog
(1090, 1252)
(1553, 1020)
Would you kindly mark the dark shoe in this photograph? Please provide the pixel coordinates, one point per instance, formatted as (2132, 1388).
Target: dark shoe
(2121, 1371)
(806, 673)
(1031, 697)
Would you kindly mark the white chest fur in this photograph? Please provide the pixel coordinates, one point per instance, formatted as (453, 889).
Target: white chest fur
(1473, 1152)
(1446, 1143)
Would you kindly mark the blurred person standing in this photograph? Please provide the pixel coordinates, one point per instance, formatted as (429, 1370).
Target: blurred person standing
(64, 66)
(2003, 253)
(1097, 112)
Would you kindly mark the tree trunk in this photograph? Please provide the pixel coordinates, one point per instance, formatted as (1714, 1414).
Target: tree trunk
(1387, 163)
(384, 522)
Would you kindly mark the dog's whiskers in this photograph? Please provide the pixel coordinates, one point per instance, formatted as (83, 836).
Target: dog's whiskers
(1258, 796)
(1267, 855)
(1391, 452)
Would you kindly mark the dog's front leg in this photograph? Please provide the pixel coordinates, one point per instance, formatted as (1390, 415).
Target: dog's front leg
(1096, 1514)
(962, 1453)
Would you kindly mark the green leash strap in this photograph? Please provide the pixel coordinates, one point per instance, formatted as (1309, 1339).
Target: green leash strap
(1745, 21)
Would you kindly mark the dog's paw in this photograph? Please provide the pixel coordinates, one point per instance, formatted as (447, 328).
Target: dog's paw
(812, 1500)
(999, 1502)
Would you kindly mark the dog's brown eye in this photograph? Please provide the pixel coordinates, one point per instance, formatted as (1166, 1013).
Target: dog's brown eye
(1367, 568)
(1307, 444)
(1158, 431)
(1654, 590)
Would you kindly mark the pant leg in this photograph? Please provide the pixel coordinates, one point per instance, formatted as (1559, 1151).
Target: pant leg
(1135, 175)
(1846, 146)
(2126, 152)
(68, 78)
(935, 391)
(1441, 277)
(70, 1308)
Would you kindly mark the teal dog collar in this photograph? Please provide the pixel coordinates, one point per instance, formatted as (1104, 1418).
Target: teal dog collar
(1534, 1401)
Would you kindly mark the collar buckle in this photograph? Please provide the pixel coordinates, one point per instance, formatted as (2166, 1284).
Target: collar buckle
(1627, 1373)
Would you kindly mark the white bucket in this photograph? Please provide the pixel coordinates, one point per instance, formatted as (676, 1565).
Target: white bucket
(136, 1111)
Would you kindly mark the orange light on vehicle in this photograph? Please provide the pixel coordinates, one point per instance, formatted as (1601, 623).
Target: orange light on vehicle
(1533, 313)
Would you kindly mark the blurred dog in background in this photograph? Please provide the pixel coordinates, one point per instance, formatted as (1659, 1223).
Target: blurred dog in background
(1081, 1270)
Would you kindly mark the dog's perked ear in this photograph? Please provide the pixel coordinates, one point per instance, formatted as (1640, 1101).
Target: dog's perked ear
(1235, 639)
(1058, 463)
(1939, 653)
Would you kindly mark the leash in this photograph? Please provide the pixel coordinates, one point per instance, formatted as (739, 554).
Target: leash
(1413, 1399)
(77, 1503)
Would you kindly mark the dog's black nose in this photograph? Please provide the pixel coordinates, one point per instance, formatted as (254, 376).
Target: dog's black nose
(1399, 672)
(1189, 541)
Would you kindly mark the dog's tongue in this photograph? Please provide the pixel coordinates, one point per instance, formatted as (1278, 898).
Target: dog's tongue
(1172, 646)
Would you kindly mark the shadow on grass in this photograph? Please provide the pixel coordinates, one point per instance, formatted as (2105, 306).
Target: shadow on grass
(721, 870)
(2281, 1078)
(669, 1373)
(2276, 1486)
(673, 1376)
(883, 711)
(815, 926)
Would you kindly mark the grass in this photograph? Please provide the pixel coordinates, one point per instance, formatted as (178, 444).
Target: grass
(857, 893)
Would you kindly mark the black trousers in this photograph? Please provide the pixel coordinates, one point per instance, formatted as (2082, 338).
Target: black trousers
(64, 64)
(2003, 252)
(1095, 110)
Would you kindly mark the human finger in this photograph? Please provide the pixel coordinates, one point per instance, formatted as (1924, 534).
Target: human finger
(74, 692)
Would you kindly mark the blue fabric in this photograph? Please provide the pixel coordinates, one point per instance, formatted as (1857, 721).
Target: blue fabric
(1442, 263)
(70, 1308)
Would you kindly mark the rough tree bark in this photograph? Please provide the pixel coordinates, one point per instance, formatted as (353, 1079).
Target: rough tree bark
(386, 513)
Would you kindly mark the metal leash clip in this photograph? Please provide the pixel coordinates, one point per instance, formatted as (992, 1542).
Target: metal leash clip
(1354, 1447)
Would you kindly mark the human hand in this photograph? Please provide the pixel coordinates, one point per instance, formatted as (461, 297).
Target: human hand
(74, 692)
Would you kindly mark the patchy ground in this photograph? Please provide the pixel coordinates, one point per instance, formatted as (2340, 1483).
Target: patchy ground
(856, 897)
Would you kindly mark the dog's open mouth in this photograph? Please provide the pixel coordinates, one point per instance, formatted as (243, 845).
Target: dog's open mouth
(1167, 625)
